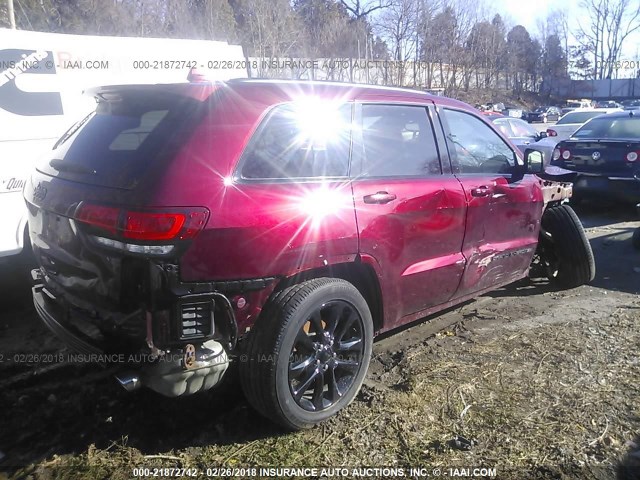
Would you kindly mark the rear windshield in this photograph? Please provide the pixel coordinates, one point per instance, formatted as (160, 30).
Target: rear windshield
(578, 117)
(618, 127)
(114, 145)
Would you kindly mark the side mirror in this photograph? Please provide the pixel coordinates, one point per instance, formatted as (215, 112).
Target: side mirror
(542, 135)
(534, 161)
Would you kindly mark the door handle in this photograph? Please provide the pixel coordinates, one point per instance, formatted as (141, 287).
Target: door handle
(379, 198)
(482, 191)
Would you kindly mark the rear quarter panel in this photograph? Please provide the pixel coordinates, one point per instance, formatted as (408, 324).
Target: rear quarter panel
(256, 229)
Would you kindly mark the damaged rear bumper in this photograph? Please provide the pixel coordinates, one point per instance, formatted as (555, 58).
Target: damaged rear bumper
(182, 370)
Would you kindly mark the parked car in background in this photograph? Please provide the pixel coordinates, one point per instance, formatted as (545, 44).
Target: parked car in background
(604, 155)
(633, 104)
(607, 104)
(564, 127)
(576, 104)
(570, 122)
(543, 114)
(281, 225)
(512, 111)
(523, 135)
(572, 105)
(492, 114)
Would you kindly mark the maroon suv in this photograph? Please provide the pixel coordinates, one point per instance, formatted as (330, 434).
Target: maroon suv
(280, 225)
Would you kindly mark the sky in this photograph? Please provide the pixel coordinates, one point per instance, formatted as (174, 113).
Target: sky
(528, 12)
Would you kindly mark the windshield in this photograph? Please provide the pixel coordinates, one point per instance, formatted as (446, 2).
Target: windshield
(607, 127)
(577, 117)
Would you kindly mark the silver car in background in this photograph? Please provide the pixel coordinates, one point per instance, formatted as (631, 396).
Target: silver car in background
(572, 121)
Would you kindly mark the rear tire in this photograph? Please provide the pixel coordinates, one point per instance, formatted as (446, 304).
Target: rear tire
(565, 249)
(307, 355)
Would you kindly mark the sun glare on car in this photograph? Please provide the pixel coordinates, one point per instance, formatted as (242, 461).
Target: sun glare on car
(318, 122)
(320, 204)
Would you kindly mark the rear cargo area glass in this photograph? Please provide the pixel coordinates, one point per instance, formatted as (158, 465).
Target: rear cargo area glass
(116, 144)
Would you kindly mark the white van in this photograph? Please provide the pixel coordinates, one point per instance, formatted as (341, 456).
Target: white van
(43, 76)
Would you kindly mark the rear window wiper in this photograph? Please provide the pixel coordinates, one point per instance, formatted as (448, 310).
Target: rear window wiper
(74, 128)
(62, 166)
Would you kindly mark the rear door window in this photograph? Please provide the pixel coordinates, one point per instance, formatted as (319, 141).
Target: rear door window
(127, 134)
(307, 139)
(398, 141)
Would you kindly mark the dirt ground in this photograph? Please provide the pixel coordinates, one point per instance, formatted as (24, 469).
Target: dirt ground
(533, 382)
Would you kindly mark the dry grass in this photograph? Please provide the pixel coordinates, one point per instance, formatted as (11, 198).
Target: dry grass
(542, 400)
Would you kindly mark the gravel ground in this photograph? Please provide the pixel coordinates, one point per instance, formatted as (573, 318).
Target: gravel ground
(533, 382)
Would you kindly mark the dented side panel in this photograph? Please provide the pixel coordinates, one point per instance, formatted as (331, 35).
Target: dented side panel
(416, 239)
(501, 229)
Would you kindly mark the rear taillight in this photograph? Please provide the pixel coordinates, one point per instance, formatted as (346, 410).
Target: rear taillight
(153, 226)
(632, 156)
(551, 133)
(148, 225)
(104, 218)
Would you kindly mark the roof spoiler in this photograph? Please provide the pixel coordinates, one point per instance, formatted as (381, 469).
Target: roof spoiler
(198, 91)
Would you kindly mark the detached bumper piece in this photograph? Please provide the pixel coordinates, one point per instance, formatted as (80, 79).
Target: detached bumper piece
(183, 370)
(49, 312)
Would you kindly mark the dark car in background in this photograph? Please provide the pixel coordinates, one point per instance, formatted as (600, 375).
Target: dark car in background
(633, 104)
(604, 155)
(543, 114)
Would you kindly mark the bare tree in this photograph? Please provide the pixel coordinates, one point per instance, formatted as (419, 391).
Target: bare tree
(468, 16)
(360, 9)
(522, 55)
(610, 24)
(270, 28)
(397, 24)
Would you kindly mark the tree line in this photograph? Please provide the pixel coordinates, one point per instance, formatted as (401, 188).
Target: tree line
(463, 44)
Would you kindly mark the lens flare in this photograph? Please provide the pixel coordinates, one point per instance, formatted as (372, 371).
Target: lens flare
(318, 122)
(320, 204)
